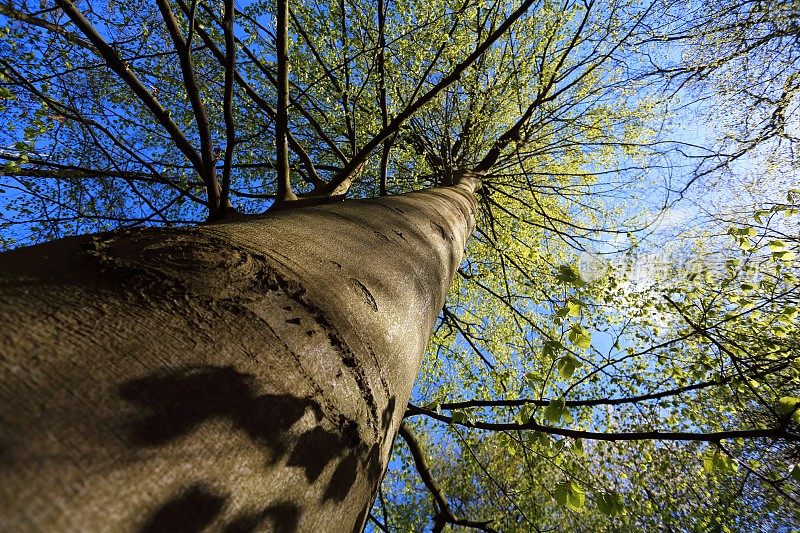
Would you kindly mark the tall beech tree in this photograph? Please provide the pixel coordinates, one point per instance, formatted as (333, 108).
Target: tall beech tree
(176, 358)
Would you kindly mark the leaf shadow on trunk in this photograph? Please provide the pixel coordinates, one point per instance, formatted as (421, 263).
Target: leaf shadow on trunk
(195, 508)
(175, 402)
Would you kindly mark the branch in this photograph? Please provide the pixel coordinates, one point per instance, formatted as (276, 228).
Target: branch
(716, 436)
(449, 406)
(9, 11)
(377, 523)
(73, 114)
(512, 134)
(774, 483)
(348, 119)
(313, 177)
(444, 514)
(453, 319)
(341, 182)
(387, 144)
(704, 333)
(116, 64)
(580, 403)
(227, 100)
(264, 70)
(328, 72)
(208, 169)
(282, 120)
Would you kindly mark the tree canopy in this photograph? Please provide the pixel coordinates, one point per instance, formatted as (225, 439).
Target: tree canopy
(620, 348)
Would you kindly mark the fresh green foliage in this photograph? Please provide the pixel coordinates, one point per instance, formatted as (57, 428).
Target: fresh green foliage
(618, 376)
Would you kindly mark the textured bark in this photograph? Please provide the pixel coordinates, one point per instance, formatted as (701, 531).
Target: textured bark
(246, 375)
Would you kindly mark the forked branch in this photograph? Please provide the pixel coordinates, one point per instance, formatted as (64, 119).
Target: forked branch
(341, 182)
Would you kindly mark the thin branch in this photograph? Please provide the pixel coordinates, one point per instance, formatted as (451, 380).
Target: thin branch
(704, 333)
(310, 43)
(9, 11)
(377, 523)
(73, 114)
(512, 134)
(454, 320)
(444, 513)
(581, 403)
(313, 177)
(387, 144)
(714, 436)
(264, 70)
(348, 118)
(383, 507)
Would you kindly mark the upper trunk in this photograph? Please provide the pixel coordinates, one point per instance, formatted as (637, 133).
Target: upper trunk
(245, 375)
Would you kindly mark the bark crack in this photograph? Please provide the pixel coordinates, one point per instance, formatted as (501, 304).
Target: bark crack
(368, 298)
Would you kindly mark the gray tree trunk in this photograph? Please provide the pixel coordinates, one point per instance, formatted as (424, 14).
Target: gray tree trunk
(247, 375)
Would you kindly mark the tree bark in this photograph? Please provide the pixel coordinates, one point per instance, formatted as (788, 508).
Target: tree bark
(244, 375)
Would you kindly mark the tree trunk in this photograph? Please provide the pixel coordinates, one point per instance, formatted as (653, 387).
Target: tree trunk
(245, 375)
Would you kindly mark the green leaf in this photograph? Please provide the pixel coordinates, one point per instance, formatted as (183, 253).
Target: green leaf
(571, 308)
(551, 347)
(460, 417)
(554, 410)
(569, 275)
(574, 308)
(526, 413)
(576, 500)
(609, 503)
(788, 315)
(562, 493)
(790, 404)
(796, 473)
(708, 462)
(716, 461)
(570, 494)
(532, 377)
(603, 504)
(577, 448)
(579, 336)
(540, 437)
(777, 246)
(566, 365)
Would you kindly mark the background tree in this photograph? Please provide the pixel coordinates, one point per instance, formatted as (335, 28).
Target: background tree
(553, 373)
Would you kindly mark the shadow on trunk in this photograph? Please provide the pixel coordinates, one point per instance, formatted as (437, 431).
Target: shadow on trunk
(173, 403)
